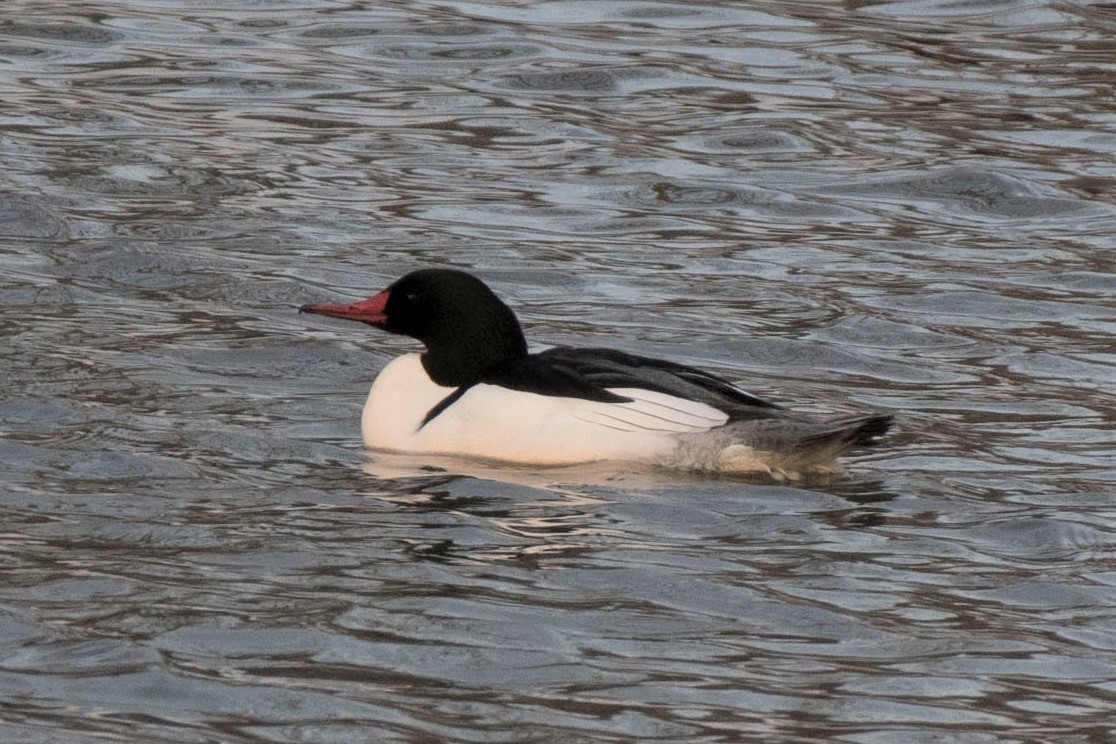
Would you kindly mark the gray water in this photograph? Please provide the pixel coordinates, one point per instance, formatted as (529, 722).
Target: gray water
(900, 206)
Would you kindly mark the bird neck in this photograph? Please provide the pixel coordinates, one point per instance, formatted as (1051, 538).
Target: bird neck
(461, 356)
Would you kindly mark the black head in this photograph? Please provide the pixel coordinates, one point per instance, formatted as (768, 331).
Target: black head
(466, 328)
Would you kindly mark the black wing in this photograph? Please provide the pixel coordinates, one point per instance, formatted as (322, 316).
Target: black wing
(532, 374)
(588, 373)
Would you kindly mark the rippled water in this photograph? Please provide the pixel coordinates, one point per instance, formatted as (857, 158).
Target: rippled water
(905, 206)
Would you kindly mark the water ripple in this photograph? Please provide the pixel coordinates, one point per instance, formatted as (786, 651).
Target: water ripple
(903, 206)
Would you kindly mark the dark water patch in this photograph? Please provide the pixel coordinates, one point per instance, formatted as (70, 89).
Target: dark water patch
(80, 33)
(427, 27)
(196, 82)
(565, 81)
(86, 122)
(978, 192)
(25, 217)
(685, 197)
(745, 142)
(15, 50)
(457, 52)
(725, 98)
(974, 307)
(102, 657)
(827, 206)
(695, 196)
(330, 31)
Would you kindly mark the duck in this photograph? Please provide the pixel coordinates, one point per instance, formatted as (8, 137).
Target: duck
(476, 391)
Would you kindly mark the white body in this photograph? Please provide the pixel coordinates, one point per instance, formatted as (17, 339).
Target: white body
(496, 423)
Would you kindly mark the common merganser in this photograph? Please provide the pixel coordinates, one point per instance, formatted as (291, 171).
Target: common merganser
(477, 392)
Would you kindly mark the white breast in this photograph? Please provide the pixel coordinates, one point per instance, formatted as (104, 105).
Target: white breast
(496, 423)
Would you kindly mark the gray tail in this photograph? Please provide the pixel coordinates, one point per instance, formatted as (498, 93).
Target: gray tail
(843, 432)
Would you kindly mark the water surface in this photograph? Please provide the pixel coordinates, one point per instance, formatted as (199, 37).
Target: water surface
(903, 206)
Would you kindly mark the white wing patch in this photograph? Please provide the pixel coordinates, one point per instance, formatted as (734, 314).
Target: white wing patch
(652, 411)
